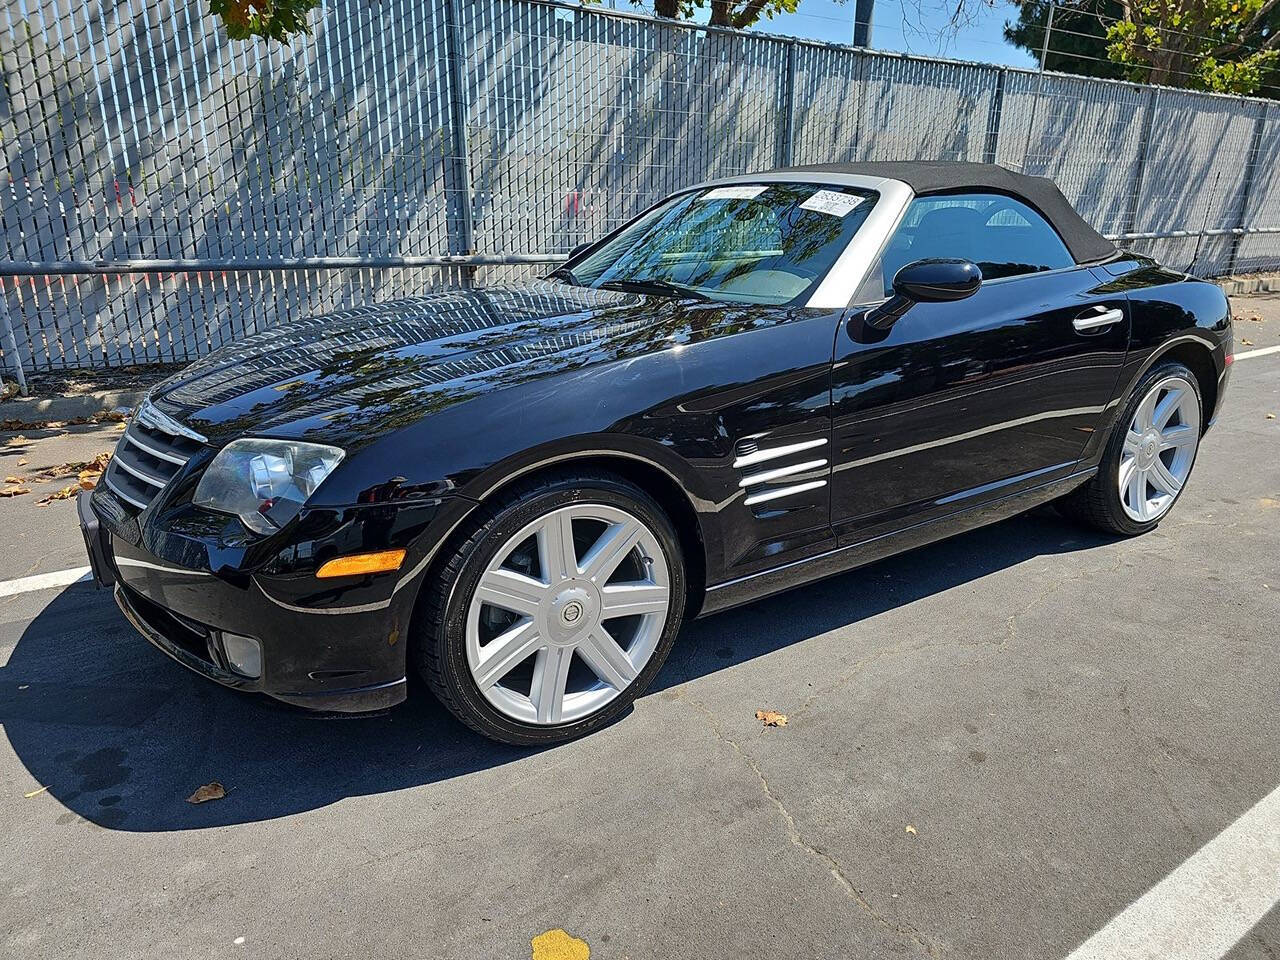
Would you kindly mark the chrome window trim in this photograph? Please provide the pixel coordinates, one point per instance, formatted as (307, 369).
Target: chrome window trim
(845, 277)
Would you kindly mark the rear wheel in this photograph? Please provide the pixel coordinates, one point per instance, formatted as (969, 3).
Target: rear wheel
(1146, 464)
(556, 612)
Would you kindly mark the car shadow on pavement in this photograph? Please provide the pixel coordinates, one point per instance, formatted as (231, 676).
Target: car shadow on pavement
(120, 734)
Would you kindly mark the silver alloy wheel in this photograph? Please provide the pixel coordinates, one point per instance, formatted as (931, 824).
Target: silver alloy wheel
(586, 583)
(1159, 448)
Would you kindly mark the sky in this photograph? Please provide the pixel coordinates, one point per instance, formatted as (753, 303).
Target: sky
(909, 26)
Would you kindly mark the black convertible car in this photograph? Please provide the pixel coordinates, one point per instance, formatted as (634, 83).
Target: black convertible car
(760, 381)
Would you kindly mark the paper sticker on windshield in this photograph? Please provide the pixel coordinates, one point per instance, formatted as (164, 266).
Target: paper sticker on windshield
(830, 202)
(745, 191)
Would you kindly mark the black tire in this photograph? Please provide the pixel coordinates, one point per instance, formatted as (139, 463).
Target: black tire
(439, 632)
(1098, 503)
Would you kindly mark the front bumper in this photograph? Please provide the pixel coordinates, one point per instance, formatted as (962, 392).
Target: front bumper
(327, 645)
(198, 648)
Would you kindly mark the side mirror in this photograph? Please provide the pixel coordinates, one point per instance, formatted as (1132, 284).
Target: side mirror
(926, 281)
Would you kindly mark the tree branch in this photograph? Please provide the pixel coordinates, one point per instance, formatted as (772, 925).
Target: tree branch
(749, 14)
(1247, 29)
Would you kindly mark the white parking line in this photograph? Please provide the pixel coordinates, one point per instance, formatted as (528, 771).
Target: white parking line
(1204, 907)
(44, 581)
(1260, 352)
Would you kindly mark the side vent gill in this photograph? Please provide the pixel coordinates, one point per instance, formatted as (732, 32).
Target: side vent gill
(762, 484)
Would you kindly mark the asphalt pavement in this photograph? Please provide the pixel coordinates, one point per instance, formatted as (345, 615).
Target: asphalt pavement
(1000, 746)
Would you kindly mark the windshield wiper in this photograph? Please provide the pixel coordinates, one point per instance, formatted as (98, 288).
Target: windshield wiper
(565, 274)
(654, 285)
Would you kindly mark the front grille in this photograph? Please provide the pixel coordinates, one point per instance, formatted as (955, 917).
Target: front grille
(146, 459)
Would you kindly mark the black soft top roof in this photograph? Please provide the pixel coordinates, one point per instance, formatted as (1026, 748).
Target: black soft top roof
(953, 176)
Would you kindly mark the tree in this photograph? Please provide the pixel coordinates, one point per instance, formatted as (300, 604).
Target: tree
(1079, 40)
(1230, 46)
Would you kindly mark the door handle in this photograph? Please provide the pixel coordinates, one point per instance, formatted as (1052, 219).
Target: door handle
(1096, 321)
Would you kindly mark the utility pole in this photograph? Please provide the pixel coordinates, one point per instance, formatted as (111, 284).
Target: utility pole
(862, 23)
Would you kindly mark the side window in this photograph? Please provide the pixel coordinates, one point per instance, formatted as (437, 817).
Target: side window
(1003, 236)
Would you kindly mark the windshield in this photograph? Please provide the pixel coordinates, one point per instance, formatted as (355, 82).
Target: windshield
(743, 243)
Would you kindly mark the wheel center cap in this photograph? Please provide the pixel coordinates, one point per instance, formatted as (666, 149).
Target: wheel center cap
(1148, 450)
(574, 612)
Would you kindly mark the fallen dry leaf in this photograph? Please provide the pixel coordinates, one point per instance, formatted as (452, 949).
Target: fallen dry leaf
(771, 718)
(911, 830)
(1256, 319)
(210, 791)
(35, 793)
(1271, 416)
(22, 462)
(74, 468)
(13, 480)
(66, 493)
(102, 416)
(559, 945)
(86, 472)
(1246, 342)
(13, 491)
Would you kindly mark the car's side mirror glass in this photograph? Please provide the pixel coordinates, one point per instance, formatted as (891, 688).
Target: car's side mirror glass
(926, 281)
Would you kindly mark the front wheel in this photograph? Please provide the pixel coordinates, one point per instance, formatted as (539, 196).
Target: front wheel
(1147, 463)
(556, 612)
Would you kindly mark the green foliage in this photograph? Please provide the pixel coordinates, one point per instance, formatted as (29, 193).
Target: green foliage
(268, 19)
(1079, 40)
(1228, 46)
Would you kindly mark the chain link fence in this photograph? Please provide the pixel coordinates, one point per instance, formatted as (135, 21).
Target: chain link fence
(166, 190)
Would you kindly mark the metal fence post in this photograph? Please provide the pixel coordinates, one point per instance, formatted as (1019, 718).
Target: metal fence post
(464, 241)
(11, 342)
(787, 133)
(993, 120)
(1250, 171)
(1130, 223)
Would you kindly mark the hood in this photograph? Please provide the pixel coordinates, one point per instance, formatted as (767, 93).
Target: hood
(351, 374)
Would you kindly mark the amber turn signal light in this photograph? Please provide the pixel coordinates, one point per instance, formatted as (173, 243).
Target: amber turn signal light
(361, 563)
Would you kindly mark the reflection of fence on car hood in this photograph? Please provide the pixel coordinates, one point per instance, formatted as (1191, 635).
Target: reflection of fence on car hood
(357, 163)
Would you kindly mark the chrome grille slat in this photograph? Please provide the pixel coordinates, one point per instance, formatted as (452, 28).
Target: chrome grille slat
(120, 492)
(154, 451)
(148, 457)
(157, 482)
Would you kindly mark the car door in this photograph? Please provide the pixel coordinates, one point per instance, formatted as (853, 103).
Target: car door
(965, 402)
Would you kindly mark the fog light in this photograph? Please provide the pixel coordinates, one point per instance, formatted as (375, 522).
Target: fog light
(244, 654)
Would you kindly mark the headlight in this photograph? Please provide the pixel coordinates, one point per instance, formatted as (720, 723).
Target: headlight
(265, 482)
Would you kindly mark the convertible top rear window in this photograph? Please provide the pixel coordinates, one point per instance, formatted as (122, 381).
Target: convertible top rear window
(767, 243)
